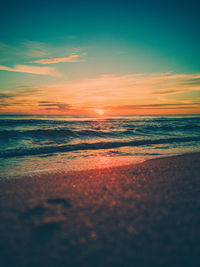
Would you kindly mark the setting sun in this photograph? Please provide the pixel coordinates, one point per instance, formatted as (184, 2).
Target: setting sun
(100, 112)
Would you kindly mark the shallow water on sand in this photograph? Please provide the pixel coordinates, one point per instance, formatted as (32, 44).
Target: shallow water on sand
(37, 144)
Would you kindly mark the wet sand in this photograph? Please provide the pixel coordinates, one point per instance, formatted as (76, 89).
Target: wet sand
(137, 215)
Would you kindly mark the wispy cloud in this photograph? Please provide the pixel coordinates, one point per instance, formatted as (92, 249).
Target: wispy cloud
(32, 49)
(49, 105)
(129, 89)
(25, 49)
(32, 69)
(72, 58)
(158, 106)
(29, 101)
(40, 51)
(125, 94)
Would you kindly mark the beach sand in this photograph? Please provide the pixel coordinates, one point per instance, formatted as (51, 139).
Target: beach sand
(137, 215)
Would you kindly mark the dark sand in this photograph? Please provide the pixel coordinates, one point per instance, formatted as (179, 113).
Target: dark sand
(139, 215)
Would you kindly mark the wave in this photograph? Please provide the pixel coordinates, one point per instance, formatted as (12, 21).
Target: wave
(59, 120)
(64, 133)
(93, 146)
(30, 122)
(172, 127)
(53, 133)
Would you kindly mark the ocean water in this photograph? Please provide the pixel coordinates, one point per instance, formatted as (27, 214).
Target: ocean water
(38, 144)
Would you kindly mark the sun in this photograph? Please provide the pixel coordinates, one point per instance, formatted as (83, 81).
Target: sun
(100, 112)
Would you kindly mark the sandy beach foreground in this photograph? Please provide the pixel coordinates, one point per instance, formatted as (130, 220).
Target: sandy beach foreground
(137, 215)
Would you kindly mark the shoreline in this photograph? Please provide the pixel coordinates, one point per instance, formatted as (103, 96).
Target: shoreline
(70, 170)
(143, 214)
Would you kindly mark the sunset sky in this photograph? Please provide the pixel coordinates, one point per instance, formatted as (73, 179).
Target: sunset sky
(90, 57)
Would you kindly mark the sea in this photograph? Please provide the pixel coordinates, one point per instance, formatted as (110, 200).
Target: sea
(34, 145)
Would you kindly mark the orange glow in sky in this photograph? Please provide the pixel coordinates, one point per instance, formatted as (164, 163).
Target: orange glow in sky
(125, 64)
(133, 94)
(100, 112)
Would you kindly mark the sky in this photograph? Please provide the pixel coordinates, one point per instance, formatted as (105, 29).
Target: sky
(99, 57)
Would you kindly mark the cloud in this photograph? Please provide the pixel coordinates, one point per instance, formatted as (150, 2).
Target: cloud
(28, 101)
(164, 92)
(129, 89)
(139, 92)
(35, 50)
(195, 81)
(32, 49)
(118, 94)
(48, 105)
(20, 97)
(11, 101)
(5, 95)
(72, 58)
(32, 69)
(158, 106)
(25, 49)
(26, 91)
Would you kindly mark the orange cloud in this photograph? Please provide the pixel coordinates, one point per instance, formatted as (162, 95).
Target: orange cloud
(72, 58)
(58, 106)
(160, 93)
(32, 69)
(26, 49)
(129, 89)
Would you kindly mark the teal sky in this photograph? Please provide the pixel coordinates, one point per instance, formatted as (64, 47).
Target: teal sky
(60, 44)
